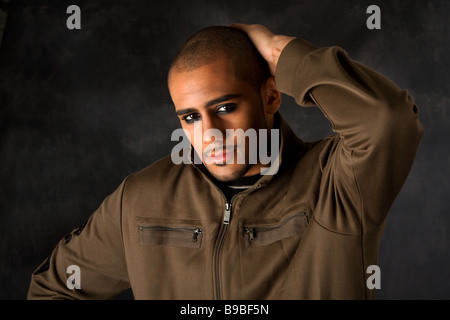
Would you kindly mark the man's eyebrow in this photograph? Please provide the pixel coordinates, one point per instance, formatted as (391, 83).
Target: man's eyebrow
(185, 111)
(222, 99)
(208, 104)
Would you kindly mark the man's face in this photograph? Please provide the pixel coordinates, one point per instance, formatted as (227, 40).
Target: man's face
(211, 97)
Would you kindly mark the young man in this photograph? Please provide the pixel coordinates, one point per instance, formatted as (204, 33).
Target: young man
(228, 230)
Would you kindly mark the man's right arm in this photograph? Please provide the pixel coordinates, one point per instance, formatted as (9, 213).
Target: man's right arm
(92, 256)
(377, 123)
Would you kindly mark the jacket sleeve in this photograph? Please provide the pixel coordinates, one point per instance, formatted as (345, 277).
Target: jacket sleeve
(377, 127)
(91, 258)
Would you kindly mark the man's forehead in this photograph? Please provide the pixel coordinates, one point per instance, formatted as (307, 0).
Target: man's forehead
(221, 63)
(207, 82)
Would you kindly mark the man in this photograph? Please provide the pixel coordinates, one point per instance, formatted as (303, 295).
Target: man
(228, 230)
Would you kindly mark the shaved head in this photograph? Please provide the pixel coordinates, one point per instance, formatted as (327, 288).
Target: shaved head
(208, 44)
(220, 81)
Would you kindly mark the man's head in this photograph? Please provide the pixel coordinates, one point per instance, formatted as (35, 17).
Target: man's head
(207, 44)
(220, 81)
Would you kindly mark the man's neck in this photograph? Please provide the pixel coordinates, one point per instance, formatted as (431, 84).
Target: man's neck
(233, 187)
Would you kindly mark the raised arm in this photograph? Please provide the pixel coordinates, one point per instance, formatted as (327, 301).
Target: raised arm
(376, 121)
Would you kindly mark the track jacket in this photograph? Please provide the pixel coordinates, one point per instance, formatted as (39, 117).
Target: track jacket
(309, 232)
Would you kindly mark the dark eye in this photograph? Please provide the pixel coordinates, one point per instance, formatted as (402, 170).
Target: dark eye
(190, 118)
(226, 108)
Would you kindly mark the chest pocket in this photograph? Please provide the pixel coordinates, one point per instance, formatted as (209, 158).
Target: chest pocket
(267, 247)
(168, 232)
(260, 233)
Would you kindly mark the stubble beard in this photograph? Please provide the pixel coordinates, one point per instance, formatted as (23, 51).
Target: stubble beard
(239, 173)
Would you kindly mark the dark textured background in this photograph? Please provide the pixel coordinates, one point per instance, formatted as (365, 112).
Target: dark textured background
(81, 109)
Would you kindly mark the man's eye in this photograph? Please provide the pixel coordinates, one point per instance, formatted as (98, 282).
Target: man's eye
(190, 118)
(226, 108)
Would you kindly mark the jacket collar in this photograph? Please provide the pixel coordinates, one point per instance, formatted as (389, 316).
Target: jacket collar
(291, 148)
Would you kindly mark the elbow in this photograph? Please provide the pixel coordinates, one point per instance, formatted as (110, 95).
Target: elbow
(399, 125)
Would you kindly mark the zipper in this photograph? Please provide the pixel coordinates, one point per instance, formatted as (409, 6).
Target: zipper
(252, 232)
(226, 222)
(227, 213)
(195, 231)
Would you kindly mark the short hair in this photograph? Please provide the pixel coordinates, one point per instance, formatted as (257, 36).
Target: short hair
(205, 46)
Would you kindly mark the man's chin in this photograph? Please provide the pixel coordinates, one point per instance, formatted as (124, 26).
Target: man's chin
(227, 172)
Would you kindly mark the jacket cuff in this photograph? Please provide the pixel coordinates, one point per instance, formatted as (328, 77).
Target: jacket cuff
(290, 59)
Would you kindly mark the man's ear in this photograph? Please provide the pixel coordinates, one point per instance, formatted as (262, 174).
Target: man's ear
(270, 96)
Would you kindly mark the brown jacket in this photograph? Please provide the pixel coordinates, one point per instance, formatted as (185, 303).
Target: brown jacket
(308, 232)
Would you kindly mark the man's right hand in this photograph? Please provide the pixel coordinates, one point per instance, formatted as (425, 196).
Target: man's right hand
(268, 44)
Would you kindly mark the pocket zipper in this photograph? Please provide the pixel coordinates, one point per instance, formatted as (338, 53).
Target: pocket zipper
(252, 231)
(195, 231)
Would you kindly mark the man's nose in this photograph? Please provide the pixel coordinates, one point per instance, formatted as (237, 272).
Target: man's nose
(211, 129)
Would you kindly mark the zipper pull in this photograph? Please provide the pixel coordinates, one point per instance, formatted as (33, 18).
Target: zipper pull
(251, 234)
(195, 234)
(227, 214)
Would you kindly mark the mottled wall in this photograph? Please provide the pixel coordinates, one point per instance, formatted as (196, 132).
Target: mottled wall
(81, 109)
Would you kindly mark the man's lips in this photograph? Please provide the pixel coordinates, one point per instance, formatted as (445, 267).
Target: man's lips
(217, 155)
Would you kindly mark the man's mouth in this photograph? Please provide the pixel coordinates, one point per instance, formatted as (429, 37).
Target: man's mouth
(219, 155)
